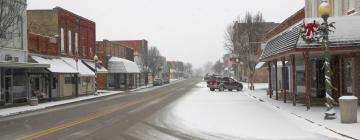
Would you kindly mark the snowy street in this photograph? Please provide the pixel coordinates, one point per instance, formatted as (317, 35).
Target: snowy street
(203, 114)
(183, 110)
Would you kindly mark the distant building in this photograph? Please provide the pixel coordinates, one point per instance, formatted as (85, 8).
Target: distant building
(140, 52)
(122, 72)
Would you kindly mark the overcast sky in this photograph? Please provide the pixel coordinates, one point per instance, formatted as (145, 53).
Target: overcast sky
(185, 30)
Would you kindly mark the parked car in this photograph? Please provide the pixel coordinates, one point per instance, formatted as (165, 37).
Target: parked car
(157, 82)
(222, 83)
(166, 81)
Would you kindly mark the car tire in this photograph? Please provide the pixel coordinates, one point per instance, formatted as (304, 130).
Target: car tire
(230, 89)
(212, 89)
(239, 89)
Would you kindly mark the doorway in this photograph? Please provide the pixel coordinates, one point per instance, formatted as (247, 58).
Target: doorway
(8, 81)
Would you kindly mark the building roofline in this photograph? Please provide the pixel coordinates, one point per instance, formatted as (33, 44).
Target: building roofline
(270, 34)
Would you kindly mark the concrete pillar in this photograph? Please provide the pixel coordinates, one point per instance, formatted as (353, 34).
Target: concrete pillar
(348, 109)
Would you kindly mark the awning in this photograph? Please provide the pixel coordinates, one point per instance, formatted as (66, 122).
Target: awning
(263, 64)
(7, 64)
(57, 65)
(79, 66)
(91, 65)
(260, 65)
(120, 65)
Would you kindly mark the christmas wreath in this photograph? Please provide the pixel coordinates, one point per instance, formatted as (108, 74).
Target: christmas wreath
(310, 32)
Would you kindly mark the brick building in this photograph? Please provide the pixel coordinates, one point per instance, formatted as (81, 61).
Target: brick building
(140, 49)
(64, 40)
(73, 35)
(118, 59)
(301, 63)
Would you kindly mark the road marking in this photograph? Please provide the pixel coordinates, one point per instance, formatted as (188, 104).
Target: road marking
(46, 132)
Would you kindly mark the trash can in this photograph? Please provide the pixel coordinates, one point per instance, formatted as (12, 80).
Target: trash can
(34, 101)
(348, 109)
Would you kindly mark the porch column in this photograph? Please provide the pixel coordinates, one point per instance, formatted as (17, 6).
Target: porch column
(356, 76)
(341, 76)
(284, 76)
(50, 85)
(76, 85)
(126, 82)
(276, 81)
(307, 79)
(27, 86)
(294, 87)
(270, 81)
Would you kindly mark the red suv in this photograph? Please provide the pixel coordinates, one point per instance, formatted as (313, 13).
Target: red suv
(222, 83)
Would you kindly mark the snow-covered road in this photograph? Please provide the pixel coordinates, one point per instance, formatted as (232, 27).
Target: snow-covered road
(202, 114)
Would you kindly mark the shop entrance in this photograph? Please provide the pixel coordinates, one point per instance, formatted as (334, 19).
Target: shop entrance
(8, 80)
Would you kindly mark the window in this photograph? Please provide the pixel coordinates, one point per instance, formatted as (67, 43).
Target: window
(69, 40)
(62, 40)
(76, 44)
(69, 80)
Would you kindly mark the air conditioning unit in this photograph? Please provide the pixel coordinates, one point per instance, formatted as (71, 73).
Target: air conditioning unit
(11, 58)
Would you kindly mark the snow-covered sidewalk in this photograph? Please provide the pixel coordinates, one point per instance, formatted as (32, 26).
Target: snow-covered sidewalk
(27, 108)
(314, 115)
(102, 93)
(205, 114)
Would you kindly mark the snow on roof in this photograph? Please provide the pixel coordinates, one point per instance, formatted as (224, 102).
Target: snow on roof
(347, 31)
(79, 66)
(57, 65)
(99, 69)
(348, 98)
(120, 65)
(259, 65)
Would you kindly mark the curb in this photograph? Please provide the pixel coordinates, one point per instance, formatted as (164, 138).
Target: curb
(70, 103)
(306, 119)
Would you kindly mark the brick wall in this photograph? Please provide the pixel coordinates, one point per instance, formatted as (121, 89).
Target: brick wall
(101, 81)
(42, 45)
(292, 20)
(139, 46)
(50, 22)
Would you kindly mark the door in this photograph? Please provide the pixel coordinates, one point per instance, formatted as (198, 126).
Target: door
(8, 89)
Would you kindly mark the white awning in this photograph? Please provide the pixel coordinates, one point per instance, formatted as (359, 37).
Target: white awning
(260, 65)
(120, 65)
(99, 69)
(79, 66)
(57, 65)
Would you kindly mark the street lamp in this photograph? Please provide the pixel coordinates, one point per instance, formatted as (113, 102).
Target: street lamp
(96, 59)
(324, 11)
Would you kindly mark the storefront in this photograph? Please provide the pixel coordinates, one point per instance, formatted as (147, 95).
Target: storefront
(123, 74)
(306, 61)
(63, 77)
(15, 82)
(86, 77)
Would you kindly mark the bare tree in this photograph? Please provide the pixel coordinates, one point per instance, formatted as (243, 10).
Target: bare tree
(218, 67)
(242, 38)
(10, 15)
(154, 61)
